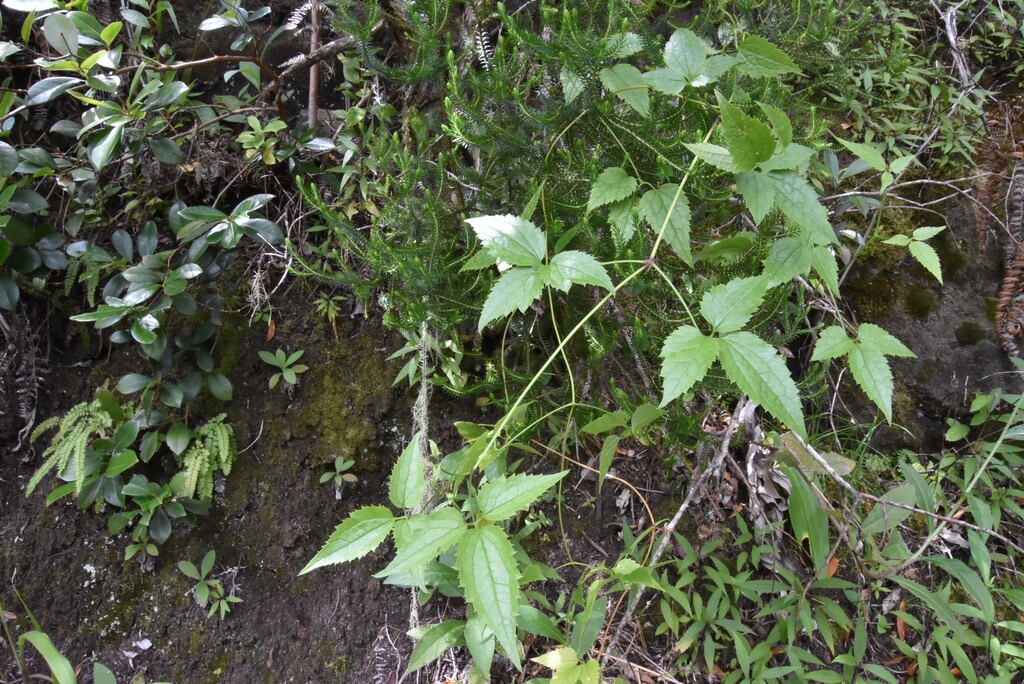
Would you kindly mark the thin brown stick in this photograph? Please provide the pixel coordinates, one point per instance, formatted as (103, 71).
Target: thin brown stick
(314, 68)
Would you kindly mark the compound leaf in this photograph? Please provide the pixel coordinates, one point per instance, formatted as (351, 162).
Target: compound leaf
(927, 257)
(758, 192)
(716, 155)
(799, 202)
(762, 375)
(504, 497)
(871, 371)
(687, 354)
(488, 574)
(876, 338)
(832, 343)
(361, 533)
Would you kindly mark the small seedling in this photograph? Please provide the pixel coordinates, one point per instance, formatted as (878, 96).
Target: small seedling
(207, 590)
(339, 475)
(288, 370)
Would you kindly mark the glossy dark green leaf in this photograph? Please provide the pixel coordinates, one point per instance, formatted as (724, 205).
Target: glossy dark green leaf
(47, 89)
(219, 386)
(25, 201)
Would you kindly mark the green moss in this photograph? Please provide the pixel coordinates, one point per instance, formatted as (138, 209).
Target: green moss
(951, 257)
(231, 342)
(920, 302)
(873, 295)
(929, 369)
(970, 333)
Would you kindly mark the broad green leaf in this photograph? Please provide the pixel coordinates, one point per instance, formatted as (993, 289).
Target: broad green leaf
(685, 52)
(178, 437)
(627, 83)
(579, 268)
(488, 574)
(9, 159)
(781, 124)
(789, 258)
(510, 239)
(927, 232)
(793, 158)
(758, 57)
(433, 642)
(667, 208)
(758, 192)
(61, 33)
(590, 621)
(832, 343)
(729, 249)
(667, 80)
(361, 533)
(517, 288)
(504, 497)
(59, 666)
(132, 383)
(643, 415)
(166, 150)
(219, 386)
(10, 293)
(687, 354)
(25, 201)
(808, 518)
(799, 202)
(47, 89)
(728, 306)
(716, 155)
(407, 483)
(749, 140)
(605, 458)
(762, 375)
(572, 84)
(613, 185)
(101, 674)
(628, 570)
(877, 339)
(871, 371)
(103, 146)
(427, 537)
(869, 153)
(927, 257)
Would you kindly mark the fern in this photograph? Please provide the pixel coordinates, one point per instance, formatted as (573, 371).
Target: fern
(75, 431)
(213, 448)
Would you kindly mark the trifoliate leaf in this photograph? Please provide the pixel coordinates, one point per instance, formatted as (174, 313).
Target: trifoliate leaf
(687, 354)
(871, 371)
(758, 57)
(927, 257)
(877, 339)
(488, 574)
(361, 533)
(627, 83)
(667, 207)
(572, 84)
(407, 482)
(799, 202)
(505, 496)
(749, 140)
(832, 343)
(426, 536)
(758, 192)
(762, 375)
(510, 239)
(716, 155)
(781, 124)
(576, 267)
(728, 306)
(434, 641)
(613, 185)
(517, 288)
(788, 259)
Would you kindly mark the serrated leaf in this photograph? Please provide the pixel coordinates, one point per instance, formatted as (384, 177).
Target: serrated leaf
(788, 259)
(480, 643)
(823, 261)
(716, 155)
(613, 185)
(479, 261)
(758, 192)
(361, 533)
(799, 202)
(667, 80)
(407, 482)
(685, 52)
(687, 354)
(627, 83)
(511, 239)
(792, 158)
(668, 208)
(488, 574)
(927, 257)
(728, 306)
(606, 423)
(758, 57)
(502, 498)
(622, 217)
(427, 537)
(749, 140)
(871, 370)
(624, 45)
(435, 641)
(878, 339)
(868, 153)
(781, 124)
(576, 267)
(762, 375)
(517, 288)
(832, 343)
(572, 84)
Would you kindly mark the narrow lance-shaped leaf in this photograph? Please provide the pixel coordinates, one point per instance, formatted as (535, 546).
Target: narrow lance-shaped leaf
(762, 375)
(488, 574)
(504, 497)
(517, 288)
(434, 641)
(361, 533)
(407, 482)
(687, 354)
(511, 239)
(427, 537)
(750, 141)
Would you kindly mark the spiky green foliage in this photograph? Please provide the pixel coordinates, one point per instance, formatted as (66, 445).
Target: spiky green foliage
(213, 447)
(75, 431)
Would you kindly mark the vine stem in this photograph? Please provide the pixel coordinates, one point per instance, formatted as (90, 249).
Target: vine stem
(670, 528)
